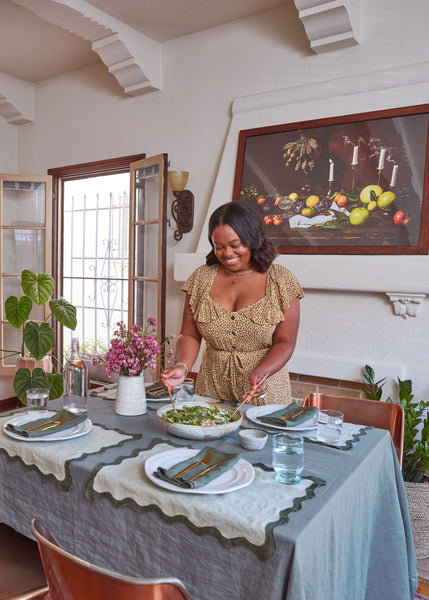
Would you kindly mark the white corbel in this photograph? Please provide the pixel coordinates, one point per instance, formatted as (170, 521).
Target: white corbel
(406, 305)
(330, 24)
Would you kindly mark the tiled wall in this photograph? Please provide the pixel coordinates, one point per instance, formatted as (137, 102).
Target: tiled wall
(302, 385)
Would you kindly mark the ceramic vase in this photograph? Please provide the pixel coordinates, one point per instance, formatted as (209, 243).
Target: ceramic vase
(130, 396)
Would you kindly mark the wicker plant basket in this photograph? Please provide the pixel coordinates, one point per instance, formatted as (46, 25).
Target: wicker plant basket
(418, 502)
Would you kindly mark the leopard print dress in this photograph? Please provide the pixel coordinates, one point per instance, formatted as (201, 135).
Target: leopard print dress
(235, 342)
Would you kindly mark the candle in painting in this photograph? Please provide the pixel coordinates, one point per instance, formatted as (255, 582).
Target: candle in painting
(355, 155)
(381, 161)
(394, 176)
(331, 170)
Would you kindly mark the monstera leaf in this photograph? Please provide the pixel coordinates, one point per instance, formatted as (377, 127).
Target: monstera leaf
(17, 311)
(37, 287)
(26, 380)
(64, 312)
(39, 338)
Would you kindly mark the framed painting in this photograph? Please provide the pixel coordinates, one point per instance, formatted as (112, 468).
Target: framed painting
(355, 184)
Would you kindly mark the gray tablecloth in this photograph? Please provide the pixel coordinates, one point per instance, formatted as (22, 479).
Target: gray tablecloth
(351, 541)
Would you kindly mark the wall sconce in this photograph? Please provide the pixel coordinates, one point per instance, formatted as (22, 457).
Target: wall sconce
(182, 207)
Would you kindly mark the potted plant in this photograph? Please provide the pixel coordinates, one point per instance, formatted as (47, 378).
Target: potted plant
(38, 339)
(415, 463)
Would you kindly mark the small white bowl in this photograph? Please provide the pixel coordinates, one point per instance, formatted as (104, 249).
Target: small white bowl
(252, 439)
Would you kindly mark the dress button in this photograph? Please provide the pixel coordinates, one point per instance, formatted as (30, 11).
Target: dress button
(233, 333)
(232, 317)
(234, 347)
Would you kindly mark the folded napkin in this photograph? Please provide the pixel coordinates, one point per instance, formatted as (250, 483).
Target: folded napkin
(156, 391)
(70, 420)
(222, 460)
(274, 417)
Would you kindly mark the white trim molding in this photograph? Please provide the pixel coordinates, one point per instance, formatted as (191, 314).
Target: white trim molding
(406, 305)
(330, 25)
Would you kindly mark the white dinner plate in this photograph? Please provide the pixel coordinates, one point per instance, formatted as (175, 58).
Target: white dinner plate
(261, 411)
(73, 432)
(237, 477)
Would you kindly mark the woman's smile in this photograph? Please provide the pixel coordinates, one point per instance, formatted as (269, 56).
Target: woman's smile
(230, 250)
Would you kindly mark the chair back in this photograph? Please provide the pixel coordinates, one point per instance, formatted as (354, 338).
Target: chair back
(70, 578)
(384, 415)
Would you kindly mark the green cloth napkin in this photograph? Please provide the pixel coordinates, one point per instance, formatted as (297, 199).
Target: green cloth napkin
(153, 391)
(222, 460)
(70, 421)
(274, 417)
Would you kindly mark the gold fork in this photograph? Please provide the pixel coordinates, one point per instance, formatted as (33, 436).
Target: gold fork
(49, 424)
(205, 461)
(293, 414)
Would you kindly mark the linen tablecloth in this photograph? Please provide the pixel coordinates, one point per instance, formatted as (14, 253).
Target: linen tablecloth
(352, 540)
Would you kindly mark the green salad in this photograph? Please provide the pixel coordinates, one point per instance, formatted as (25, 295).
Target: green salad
(203, 416)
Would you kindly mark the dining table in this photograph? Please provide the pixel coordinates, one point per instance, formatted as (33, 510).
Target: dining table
(344, 532)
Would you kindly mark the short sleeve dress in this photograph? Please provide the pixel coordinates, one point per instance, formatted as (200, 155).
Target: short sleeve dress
(237, 341)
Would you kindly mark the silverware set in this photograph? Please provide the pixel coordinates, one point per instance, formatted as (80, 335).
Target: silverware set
(293, 414)
(49, 424)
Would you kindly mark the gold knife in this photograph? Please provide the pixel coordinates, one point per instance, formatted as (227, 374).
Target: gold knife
(206, 470)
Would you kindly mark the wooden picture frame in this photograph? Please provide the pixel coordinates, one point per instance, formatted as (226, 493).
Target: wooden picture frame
(354, 184)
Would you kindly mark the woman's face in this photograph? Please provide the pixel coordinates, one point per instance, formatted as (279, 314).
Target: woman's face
(229, 249)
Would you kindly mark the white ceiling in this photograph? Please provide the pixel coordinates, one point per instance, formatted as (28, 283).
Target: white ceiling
(33, 49)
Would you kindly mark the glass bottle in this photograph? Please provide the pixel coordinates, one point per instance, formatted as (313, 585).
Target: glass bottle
(75, 382)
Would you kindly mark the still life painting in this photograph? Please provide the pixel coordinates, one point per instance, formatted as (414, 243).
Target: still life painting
(354, 184)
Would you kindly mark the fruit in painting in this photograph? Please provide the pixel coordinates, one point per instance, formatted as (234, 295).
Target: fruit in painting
(398, 217)
(261, 200)
(293, 196)
(359, 215)
(371, 205)
(365, 195)
(340, 199)
(308, 212)
(312, 201)
(385, 199)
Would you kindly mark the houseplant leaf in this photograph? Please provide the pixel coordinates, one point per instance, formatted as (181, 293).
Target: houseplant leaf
(17, 311)
(64, 312)
(37, 287)
(25, 380)
(55, 385)
(39, 338)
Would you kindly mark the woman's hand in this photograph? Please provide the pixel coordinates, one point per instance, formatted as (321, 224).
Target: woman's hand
(257, 391)
(172, 376)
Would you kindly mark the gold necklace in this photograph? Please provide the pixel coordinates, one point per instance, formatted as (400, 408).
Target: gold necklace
(237, 274)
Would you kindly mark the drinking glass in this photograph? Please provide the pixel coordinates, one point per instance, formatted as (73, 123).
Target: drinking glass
(184, 392)
(288, 458)
(329, 426)
(37, 399)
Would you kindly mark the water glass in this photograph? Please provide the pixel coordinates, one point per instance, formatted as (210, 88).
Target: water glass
(184, 392)
(37, 399)
(288, 458)
(329, 426)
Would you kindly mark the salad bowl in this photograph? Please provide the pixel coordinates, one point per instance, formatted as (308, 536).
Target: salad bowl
(202, 429)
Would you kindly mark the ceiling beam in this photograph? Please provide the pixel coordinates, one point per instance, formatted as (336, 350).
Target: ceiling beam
(132, 58)
(330, 24)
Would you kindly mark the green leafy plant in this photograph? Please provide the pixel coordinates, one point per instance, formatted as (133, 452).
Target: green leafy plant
(415, 462)
(38, 339)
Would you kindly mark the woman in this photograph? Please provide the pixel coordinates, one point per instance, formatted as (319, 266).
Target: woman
(245, 308)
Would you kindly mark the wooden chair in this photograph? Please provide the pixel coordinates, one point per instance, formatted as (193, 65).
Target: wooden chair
(70, 577)
(21, 570)
(384, 415)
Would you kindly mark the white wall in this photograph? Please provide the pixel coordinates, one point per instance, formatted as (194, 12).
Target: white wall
(83, 116)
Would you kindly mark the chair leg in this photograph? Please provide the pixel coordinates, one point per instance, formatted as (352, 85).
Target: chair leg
(21, 565)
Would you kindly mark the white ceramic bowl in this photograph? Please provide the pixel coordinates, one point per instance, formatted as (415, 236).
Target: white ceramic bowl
(252, 439)
(197, 432)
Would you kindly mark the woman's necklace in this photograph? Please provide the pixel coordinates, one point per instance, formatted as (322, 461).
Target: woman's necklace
(237, 274)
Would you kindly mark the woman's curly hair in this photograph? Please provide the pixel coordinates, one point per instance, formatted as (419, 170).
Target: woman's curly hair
(249, 228)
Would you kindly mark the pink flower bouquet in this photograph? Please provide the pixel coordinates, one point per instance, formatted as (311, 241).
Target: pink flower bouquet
(131, 350)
